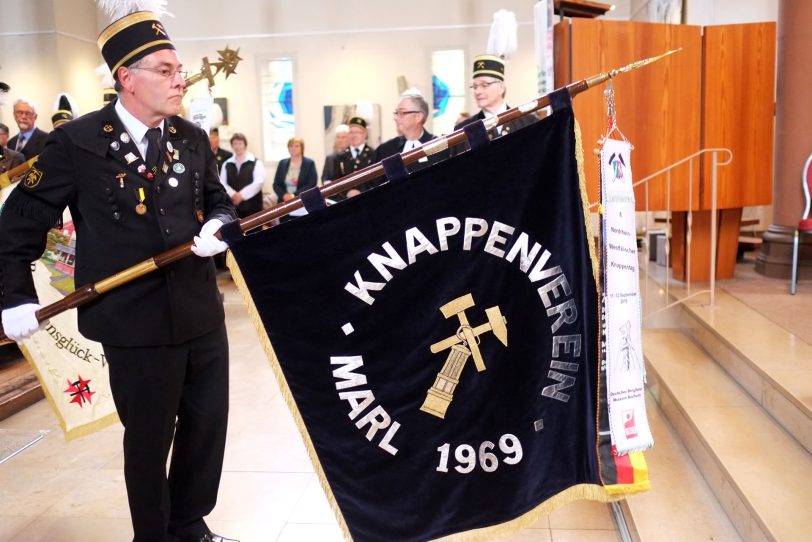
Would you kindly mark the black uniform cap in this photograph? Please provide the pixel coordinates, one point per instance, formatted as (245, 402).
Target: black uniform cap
(357, 121)
(131, 38)
(64, 113)
(489, 66)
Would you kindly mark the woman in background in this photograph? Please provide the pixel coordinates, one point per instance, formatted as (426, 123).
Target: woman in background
(295, 174)
(243, 176)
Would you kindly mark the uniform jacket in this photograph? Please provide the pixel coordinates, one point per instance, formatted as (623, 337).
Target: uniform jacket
(517, 124)
(10, 159)
(395, 146)
(221, 156)
(307, 177)
(345, 164)
(34, 145)
(90, 166)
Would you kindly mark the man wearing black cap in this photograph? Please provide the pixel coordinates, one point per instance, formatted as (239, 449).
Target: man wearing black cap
(357, 156)
(64, 112)
(489, 92)
(139, 180)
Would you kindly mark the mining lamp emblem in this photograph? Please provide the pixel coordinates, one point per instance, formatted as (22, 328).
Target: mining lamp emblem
(464, 344)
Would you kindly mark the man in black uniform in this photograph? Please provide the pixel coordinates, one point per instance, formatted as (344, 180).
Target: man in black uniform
(220, 154)
(139, 180)
(489, 92)
(357, 156)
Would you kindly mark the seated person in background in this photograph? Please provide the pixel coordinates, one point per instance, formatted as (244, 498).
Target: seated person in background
(295, 174)
(342, 141)
(243, 176)
(9, 159)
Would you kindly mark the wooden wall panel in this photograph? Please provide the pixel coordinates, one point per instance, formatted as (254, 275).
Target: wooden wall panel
(739, 111)
(658, 106)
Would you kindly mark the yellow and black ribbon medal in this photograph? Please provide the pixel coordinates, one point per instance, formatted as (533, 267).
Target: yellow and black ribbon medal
(141, 208)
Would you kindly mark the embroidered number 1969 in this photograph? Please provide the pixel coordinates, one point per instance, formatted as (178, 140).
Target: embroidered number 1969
(466, 456)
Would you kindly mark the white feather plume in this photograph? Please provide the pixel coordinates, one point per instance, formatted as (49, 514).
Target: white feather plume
(365, 110)
(103, 71)
(502, 40)
(116, 9)
(216, 116)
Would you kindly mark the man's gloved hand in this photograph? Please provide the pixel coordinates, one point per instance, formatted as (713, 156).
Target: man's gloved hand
(20, 322)
(206, 244)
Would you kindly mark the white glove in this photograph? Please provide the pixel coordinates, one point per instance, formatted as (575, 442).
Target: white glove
(20, 322)
(206, 244)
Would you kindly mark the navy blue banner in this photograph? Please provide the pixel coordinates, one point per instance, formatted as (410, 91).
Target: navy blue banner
(440, 338)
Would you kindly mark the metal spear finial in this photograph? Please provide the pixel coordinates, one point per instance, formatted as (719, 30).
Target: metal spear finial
(605, 76)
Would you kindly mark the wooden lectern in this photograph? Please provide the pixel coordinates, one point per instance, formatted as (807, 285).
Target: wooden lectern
(719, 92)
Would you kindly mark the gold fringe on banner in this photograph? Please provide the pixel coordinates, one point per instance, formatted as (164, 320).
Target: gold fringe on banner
(284, 389)
(80, 431)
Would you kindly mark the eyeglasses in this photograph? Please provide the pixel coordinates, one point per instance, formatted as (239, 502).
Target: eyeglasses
(483, 85)
(24, 113)
(403, 113)
(165, 72)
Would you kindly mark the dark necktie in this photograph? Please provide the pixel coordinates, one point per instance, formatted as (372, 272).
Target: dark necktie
(20, 142)
(153, 148)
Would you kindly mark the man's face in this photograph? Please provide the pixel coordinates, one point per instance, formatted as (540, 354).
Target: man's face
(3, 139)
(488, 92)
(342, 141)
(357, 135)
(408, 117)
(156, 88)
(214, 141)
(25, 116)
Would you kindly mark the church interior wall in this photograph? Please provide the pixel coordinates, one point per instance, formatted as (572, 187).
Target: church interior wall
(343, 52)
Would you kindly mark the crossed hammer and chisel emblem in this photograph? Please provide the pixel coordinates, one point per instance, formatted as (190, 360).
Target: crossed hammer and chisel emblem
(464, 344)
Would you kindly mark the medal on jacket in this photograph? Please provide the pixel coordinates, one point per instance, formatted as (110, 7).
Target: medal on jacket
(141, 208)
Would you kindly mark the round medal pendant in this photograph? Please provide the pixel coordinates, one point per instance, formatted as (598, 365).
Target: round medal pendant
(141, 209)
(178, 168)
(173, 182)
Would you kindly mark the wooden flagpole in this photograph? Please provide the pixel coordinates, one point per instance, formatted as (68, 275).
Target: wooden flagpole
(89, 292)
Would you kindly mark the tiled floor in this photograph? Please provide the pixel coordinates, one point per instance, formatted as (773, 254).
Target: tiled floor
(74, 491)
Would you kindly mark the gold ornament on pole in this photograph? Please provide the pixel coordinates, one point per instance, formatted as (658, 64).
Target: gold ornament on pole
(227, 64)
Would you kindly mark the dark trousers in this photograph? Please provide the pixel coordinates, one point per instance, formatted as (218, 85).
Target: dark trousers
(172, 396)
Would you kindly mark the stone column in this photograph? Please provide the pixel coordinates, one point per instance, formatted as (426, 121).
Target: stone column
(793, 140)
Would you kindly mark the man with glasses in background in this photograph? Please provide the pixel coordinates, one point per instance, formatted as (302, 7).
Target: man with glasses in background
(31, 140)
(489, 92)
(139, 180)
(410, 116)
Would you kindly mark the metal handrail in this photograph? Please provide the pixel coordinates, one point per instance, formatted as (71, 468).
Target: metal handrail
(715, 164)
